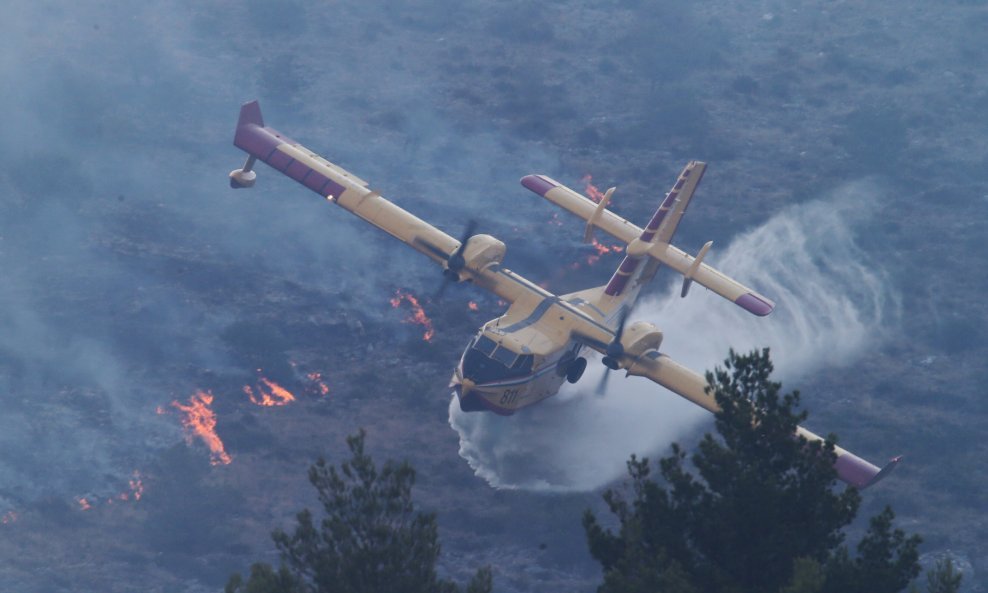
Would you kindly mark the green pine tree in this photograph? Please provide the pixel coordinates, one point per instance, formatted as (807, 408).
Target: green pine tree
(756, 511)
(369, 540)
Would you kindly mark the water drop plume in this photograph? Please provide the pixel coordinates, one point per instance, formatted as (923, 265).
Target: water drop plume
(832, 303)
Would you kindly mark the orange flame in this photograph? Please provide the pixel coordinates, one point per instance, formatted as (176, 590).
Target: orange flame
(591, 190)
(272, 394)
(200, 421)
(473, 306)
(418, 315)
(135, 491)
(136, 485)
(318, 383)
(596, 195)
(602, 249)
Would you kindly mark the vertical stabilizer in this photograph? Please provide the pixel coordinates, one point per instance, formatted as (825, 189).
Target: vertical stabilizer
(250, 113)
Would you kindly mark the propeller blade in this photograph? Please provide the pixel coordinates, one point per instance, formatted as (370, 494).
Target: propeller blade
(442, 288)
(456, 262)
(439, 253)
(468, 232)
(615, 349)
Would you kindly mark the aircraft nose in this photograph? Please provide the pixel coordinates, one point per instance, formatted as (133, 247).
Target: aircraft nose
(469, 398)
(464, 387)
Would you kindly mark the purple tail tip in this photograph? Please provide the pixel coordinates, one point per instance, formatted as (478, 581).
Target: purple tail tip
(538, 184)
(250, 113)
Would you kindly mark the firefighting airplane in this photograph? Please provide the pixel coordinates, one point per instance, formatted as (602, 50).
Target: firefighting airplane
(525, 355)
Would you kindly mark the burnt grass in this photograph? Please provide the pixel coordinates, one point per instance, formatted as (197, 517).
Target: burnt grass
(784, 106)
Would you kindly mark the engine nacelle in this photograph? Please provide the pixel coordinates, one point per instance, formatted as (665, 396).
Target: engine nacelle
(482, 252)
(240, 179)
(639, 338)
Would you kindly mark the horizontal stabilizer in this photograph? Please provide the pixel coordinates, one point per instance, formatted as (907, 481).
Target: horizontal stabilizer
(710, 278)
(653, 241)
(584, 207)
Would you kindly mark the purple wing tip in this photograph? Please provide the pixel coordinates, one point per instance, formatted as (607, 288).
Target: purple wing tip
(859, 473)
(755, 304)
(891, 465)
(250, 113)
(538, 184)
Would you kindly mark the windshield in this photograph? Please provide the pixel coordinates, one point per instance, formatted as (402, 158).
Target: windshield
(505, 356)
(485, 345)
(479, 367)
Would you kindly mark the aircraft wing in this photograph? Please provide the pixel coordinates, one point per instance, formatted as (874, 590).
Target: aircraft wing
(639, 354)
(654, 241)
(480, 258)
(690, 385)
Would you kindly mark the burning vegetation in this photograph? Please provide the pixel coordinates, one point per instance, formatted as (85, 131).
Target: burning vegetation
(199, 421)
(268, 393)
(417, 316)
(134, 492)
(596, 195)
(317, 384)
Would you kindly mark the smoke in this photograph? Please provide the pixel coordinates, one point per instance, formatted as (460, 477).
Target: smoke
(832, 303)
(125, 256)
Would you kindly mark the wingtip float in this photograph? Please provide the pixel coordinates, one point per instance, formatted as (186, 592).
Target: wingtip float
(525, 355)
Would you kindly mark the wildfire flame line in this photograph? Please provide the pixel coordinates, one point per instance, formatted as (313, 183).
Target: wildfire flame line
(317, 383)
(135, 491)
(199, 421)
(418, 315)
(271, 394)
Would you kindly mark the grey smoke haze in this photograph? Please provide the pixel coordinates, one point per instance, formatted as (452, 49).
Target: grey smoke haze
(121, 244)
(125, 260)
(832, 303)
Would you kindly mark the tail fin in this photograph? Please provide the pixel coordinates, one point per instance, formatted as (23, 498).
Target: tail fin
(250, 113)
(660, 228)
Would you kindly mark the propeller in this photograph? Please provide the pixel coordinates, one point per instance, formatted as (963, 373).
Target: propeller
(613, 352)
(454, 262)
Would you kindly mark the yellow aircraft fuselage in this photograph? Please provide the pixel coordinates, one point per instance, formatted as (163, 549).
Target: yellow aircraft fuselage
(525, 355)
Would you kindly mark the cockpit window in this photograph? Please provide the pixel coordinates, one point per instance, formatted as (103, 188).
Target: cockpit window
(485, 345)
(482, 368)
(523, 364)
(505, 356)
